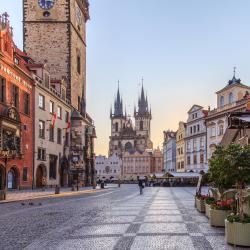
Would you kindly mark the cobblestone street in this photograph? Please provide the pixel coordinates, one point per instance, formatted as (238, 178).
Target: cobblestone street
(162, 218)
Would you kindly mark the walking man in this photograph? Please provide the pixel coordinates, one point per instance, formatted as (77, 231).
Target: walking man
(140, 184)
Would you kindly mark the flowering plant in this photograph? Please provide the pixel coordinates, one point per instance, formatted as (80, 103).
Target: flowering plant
(224, 204)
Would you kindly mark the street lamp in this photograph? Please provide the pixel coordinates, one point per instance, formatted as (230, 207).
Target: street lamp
(5, 155)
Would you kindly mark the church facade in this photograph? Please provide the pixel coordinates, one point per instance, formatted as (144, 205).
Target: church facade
(127, 136)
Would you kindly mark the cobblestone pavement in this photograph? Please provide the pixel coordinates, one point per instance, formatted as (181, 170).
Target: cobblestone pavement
(161, 218)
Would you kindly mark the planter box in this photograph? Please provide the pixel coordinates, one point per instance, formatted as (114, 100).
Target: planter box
(207, 210)
(200, 205)
(217, 217)
(246, 208)
(237, 233)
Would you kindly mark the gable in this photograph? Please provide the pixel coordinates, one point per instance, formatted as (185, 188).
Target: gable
(195, 108)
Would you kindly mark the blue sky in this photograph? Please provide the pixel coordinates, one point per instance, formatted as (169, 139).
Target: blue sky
(185, 51)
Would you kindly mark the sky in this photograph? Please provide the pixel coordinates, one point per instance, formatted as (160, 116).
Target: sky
(184, 50)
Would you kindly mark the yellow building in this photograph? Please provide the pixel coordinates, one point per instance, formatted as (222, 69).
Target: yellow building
(180, 147)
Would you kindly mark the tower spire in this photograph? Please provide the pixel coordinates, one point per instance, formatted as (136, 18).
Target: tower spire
(118, 104)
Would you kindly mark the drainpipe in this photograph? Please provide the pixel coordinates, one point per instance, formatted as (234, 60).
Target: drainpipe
(33, 133)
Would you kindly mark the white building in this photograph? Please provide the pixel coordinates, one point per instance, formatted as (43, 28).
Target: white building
(169, 151)
(108, 168)
(229, 99)
(51, 129)
(195, 140)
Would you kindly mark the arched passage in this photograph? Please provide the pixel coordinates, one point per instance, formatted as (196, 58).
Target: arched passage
(13, 178)
(40, 174)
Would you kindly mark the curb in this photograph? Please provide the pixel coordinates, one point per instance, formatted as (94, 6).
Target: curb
(66, 194)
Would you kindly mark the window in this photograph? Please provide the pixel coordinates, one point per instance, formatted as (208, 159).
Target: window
(59, 136)
(26, 103)
(59, 112)
(79, 103)
(41, 154)
(41, 129)
(52, 166)
(15, 96)
(201, 158)
(116, 127)
(51, 107)
(198, 128)
(41, 101)
(202, 142)
(213, 131)
(222, 102)
(231, 98)
(141, 125)
(2, 89)
(79, 64)
(194, 129)
(51, 133)
(195, 144)
(191, 130)
(25, 174)
(188, 160)
(221, 130)
(195, 159)
(66, 116)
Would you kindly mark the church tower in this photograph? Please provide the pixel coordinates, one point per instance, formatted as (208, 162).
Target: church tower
(118, 122)
(55, 34)
(142, 123)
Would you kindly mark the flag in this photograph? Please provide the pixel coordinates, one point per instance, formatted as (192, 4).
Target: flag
(53, 121)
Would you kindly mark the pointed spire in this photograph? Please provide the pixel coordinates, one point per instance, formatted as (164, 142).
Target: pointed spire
(142, 102)
(118, 104)
(234, 80)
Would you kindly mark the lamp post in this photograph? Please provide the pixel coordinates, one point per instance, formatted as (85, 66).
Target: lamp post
(5, 155)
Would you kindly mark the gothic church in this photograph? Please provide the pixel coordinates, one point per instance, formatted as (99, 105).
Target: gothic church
(126, 136)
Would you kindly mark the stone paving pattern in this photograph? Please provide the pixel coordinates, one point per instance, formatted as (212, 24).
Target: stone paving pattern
(161, 218)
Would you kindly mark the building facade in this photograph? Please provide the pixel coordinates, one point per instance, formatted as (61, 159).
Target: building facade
(125, 136)
(136, 164)
(51, 129)
(169, 151)
(16, 113)
(157, 162)
(108, 168)
(180, 147)
(232, 98)
(195, 139)
(55, 34)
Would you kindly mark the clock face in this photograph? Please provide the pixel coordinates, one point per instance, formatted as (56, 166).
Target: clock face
(46, 4)
(78, 15)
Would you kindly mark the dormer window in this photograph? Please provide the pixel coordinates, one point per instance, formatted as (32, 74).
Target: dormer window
(17, 61)
(231, 98)
(46, 80)
(222, 101)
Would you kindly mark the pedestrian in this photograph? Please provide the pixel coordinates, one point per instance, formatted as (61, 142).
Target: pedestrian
(140, 184)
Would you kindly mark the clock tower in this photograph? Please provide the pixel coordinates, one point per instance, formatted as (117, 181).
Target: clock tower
(55, 34)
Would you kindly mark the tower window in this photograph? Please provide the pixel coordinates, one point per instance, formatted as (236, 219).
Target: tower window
(79, 64)
(2, 89)
(141, 125)
(116, 127)
(15, 96)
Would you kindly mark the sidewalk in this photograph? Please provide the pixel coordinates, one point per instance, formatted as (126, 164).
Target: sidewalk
(26, 195)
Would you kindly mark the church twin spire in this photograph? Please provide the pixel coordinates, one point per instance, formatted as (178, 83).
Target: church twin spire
(143, 108)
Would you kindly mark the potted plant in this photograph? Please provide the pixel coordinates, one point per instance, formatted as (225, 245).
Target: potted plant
(219, 212)
(237, 225)
(209, 201)
(200, 202)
